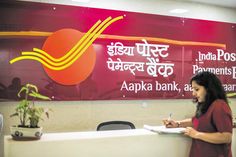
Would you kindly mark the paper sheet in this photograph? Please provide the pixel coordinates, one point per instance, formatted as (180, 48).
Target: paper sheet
(163, 129)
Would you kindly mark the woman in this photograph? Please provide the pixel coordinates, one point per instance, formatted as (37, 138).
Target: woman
(211, 127)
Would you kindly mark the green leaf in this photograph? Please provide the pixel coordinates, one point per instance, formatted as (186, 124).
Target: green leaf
(32, 87)
(37, 95)
(14, 114)
(21, 90)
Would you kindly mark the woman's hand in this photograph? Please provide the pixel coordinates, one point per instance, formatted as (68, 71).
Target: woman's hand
(215, 137)
(189, 131)
(169, 123)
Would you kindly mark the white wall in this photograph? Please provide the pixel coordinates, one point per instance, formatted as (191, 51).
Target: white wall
(85, 115)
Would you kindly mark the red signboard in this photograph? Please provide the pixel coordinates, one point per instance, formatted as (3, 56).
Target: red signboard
(79, 53)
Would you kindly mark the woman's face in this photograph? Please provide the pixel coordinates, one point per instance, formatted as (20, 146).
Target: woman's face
(199, 92)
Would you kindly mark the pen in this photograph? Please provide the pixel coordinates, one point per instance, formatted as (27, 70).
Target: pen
(169, 118)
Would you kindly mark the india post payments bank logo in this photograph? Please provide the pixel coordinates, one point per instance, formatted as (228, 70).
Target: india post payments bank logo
(67, 55)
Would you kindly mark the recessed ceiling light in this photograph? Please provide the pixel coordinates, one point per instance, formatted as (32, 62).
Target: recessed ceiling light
(178, 11)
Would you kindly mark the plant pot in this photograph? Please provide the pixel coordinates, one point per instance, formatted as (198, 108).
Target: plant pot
(25, 133)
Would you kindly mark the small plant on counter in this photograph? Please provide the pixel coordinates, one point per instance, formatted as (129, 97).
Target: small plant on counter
(28, 113)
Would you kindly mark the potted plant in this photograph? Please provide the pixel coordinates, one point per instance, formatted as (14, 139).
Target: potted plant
(29, 114)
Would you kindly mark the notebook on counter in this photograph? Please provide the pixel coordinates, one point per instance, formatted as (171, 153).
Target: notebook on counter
(163, 129)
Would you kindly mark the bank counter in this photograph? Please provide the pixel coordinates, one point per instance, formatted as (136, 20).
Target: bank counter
(117, 143)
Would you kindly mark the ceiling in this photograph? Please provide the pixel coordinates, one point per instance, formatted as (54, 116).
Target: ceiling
(222, 3)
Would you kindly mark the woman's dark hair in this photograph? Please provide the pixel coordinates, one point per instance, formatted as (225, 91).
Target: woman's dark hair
(214, 90)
